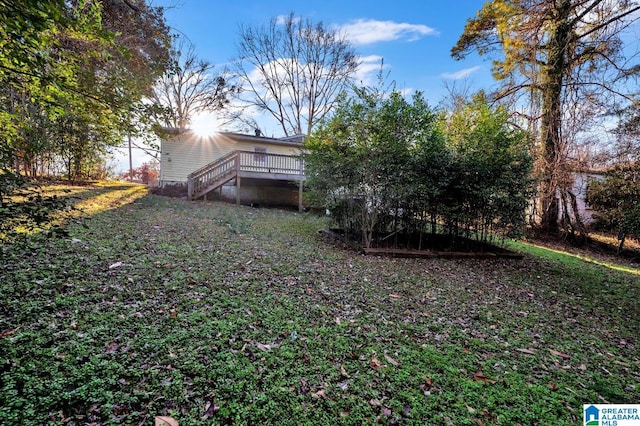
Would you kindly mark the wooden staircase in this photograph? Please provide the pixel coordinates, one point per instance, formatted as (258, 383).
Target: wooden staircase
(244, 164)
(213, 175)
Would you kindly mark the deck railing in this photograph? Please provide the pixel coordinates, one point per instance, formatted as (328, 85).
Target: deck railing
(258, 164)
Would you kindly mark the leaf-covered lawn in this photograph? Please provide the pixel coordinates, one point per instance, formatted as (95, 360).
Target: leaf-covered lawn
(215, 314)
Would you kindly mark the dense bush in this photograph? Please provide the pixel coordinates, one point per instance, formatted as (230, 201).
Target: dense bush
(386, 166)
(616, 200)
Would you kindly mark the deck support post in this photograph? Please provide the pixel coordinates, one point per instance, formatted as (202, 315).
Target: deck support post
(300, 184)
(238, 189)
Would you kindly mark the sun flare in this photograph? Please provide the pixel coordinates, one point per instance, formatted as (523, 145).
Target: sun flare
(204, 125)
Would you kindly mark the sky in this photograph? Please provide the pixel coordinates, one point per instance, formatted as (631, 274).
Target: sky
(412, 38)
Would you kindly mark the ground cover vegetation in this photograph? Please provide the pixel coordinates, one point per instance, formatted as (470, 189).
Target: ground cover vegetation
(217, 314)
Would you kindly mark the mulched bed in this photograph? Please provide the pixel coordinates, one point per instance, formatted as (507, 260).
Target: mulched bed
(429, 246)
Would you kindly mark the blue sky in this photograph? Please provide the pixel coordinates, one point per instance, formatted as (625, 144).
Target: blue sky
(413, 37)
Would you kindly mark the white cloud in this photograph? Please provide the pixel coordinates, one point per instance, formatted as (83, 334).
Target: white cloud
(460, 75)
(369, 31)
(281, 19)
(367, 71)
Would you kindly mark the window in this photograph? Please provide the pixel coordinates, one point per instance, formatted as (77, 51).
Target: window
(259, 154)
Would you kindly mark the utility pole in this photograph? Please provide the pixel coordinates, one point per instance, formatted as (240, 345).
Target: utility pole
(130, 160)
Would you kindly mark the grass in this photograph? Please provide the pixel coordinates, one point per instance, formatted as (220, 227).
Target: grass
(217, 314)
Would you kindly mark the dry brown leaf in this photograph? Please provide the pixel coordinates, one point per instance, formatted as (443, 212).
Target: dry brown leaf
(560, 354)
(375, 363)
(391, 360)
(553, 386)
(480, 377)
(115, 265)
(583, 367)
(343, 372)
(173, 313)
(166, 421)
(395, 296)
(319, 394)
(337, 320)
(112, 348)
(471, 410)
(527, 351)
(263, 347)
(9, 332)
(624, 364)
(375, 402)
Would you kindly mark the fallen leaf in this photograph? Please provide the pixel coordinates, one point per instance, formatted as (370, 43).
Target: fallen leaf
(343, 385)
(319, 394)
(480, 377)
(343, 372)
(527, 351)
(173, 313)
(210, 409)
(427, 385)
(112, 348)
(375, 402)
(375, 363)
(391, 360)
(9, 332)
(263, 347)
(583, 367)
(471, 410)
(337, 320)
(560, 354)
(395, 296)
(166, 421)
(115, 265)
(386, 411)
(553, 386)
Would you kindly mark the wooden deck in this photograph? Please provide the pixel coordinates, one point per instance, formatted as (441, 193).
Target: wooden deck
(245, 164)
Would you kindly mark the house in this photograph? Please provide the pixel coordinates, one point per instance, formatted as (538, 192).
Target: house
(250, 169)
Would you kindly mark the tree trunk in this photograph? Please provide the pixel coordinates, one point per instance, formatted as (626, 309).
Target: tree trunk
(551, 125)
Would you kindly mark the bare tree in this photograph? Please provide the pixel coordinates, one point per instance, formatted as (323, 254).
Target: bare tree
(569, 56)
(293, 69)
(190, 86)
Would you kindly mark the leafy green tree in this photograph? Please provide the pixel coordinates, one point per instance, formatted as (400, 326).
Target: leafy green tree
(490, 174)
(388, 167)
(616, 200)
(363, 162)
(565, 55)
(76, 66)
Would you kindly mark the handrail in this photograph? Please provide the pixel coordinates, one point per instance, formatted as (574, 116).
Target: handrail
(224, 168)
(204, 176)
(212, 165)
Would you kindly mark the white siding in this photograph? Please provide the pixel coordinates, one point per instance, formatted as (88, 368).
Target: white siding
(184, 153)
